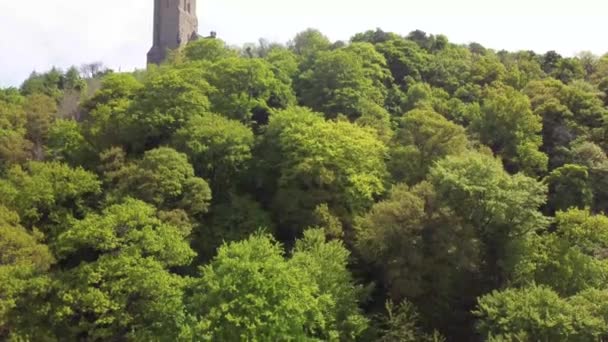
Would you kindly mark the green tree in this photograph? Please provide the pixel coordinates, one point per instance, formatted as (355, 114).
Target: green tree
(131, 228)
(422, 138)
(405, 59)
(508, 125)
(126, 290)
(168, 99)
(66, 143)
(308, 161)
(108, 123)
(251, 292)
(339, 81)
(163, 177)
(401, 324)
(503, 209)
(569, 112)
(569, 187)
(450, 68)
(232, 219)
(219, 148)
(48, 195)
(537, 313)
(246, 89)
(40, 111)
(47, 83)
(593, 157)
(14, 147)
(419, 250)
(326, 262)
(23, 263)
(208, 49)
(571, 259)
(309, 42)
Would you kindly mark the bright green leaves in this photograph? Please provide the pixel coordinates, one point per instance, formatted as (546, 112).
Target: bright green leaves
(478, 188)
(131, 228)
(23, 261)
(318, 161)
(539, 314)
(572, 258)
(508, 125)
(246, 89)
(122, 296)
(251, 292)
(219, 148)
(169, 98)
(340, 80)
(326, 263)
(66, 143)
(163, 177)
(122, 288)
(423, 137)
(48, 194)
(208, 49)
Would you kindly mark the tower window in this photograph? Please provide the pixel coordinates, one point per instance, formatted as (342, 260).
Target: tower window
(168, 3)
(189, 9)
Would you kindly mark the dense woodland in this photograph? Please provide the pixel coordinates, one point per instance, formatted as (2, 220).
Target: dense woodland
(389, 188)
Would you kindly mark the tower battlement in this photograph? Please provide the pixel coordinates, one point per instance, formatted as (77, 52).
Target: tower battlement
(175, 24)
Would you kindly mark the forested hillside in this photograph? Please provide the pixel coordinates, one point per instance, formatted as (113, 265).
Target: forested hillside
(388, 188)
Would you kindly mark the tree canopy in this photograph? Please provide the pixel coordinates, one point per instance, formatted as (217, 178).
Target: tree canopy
(386, 188)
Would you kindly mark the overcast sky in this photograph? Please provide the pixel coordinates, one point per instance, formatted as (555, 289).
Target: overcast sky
(38, 34)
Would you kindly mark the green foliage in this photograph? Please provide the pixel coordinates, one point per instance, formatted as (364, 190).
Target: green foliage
(48, 195)
(569, 188)
(326, 263)
(571, 259)
(508, 125)
(14, 147)
(208, 49)
(333, 162)
(233, 219)
(118, 296)
(163, 177)
(339, 81)
(108, 122)
(23, 261)
(402, 325)
(246, 89)
(419, 172)
(405, 59)
(309, 42)
(168, 99)
(251, 292)
(48, 83)
(219, 148)
(539, 314)
(66, 143)
(421, 251)
(39, 112)
(476, 186)
(130, 228)
(122, 288)
(422, 138)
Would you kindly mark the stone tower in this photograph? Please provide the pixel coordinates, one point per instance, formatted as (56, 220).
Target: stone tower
(175, 24)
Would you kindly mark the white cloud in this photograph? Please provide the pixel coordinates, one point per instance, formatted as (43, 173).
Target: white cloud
(37, 34)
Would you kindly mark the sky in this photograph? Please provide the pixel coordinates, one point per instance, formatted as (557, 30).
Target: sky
(39, 34)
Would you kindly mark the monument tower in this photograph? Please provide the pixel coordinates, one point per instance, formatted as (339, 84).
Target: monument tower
(175, 24)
